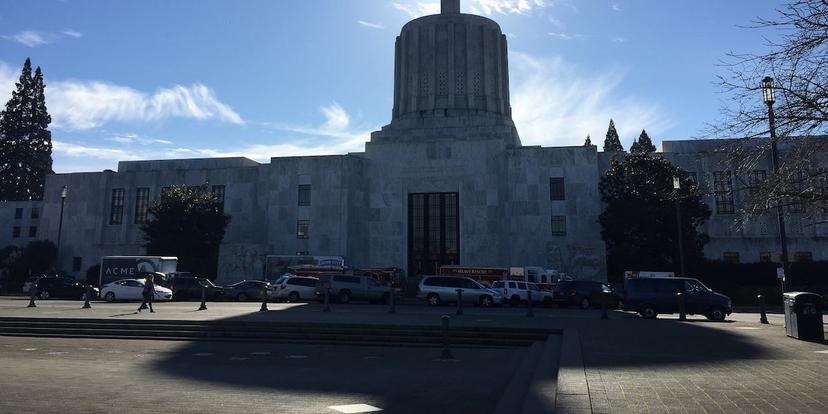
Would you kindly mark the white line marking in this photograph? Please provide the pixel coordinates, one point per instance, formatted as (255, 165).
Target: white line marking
(260, 353)
(822, 352)
(203, 354)
(747, 327)
(30, 349)
(58, 353)
(355, 408)
(297, 356)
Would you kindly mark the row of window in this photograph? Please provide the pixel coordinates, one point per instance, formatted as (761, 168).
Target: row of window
(766, 257)
(18, 213)
(723, 190)
(16, 231)
(142, 202)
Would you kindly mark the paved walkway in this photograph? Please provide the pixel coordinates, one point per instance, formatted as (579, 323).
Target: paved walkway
(628, 364)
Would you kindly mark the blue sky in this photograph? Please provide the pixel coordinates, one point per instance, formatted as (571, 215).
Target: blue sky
(186, 79)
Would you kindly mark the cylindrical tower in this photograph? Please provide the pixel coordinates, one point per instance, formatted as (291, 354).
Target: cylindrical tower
(451, 65)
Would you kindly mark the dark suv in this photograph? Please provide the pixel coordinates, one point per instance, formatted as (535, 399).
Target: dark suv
(584, 294)
(61, 288)
(184, 288)
(652, 296)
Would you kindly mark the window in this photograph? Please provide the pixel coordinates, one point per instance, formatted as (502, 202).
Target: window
(15, 231)
(218, 192)
(304, 194)
(730, 257)
(803, 257)
(557, 189)
(303, 229)
(18, 213)
(693, 177)
(723, 186)
(116, 208)
(77, 264)
(755, 179)
(765, 257)
(559, 225)
(33, 231)
(35, 213)
(141, 205)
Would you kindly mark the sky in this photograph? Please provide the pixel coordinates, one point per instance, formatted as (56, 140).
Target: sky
(158, 79)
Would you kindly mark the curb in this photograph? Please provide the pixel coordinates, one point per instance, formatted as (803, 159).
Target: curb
(573, 391)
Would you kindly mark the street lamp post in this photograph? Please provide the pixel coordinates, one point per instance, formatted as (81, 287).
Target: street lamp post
(769, 96)
(63, 193)
(677, 187)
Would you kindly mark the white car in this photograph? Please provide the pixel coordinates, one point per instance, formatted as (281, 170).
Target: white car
(516, 292)
(295, 288)
(132, 289)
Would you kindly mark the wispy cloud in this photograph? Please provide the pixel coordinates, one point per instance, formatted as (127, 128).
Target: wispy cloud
(565, 36)
(80, 105)
(556, 103)
(371, 25)
(615, 7)
(137, 139)
(618, 39)
(334, 135)
(33, 38)
(88, 104)
(416, 9)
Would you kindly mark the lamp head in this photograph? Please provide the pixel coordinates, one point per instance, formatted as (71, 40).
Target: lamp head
(768, 90)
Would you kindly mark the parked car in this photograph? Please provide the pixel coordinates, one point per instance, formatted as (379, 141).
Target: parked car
(585, 294)
(345, 288)
(248, 290)
(517, 292)
(61, 288)
(184, 287)
(651, 296)
(295, 288)
(439, 289)
(132, 289)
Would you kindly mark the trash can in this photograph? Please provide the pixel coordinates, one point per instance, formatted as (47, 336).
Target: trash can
(803, 316)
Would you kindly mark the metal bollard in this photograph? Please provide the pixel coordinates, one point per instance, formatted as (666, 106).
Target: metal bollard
(86, 304)
(203, 298)
(393, 309)
(327, 307)
(446, 345)
(604, 314)
(459, 301)
(763, 315)
(32, 296)
(529, 312)
(264, 299)
(682, 311)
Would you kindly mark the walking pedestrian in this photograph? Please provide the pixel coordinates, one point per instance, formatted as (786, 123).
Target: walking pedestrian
(148, 293)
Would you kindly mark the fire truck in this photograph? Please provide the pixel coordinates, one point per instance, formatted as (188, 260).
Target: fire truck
(544, 278)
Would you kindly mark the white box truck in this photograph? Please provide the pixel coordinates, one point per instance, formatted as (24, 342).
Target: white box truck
(132, 267)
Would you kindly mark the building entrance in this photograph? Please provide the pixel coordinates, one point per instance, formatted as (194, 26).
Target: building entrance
(433, 232)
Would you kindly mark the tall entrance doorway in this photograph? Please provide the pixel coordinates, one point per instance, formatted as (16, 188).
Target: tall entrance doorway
(433, 232)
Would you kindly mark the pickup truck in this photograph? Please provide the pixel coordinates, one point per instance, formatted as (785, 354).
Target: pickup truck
(516, 292)
(345, 288)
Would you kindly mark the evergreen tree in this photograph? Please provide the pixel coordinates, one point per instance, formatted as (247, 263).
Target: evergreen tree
(612, 143)
(643, 144)
(588, 141)
(25, 140)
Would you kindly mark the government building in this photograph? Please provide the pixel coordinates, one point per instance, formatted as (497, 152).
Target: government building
(447, 181)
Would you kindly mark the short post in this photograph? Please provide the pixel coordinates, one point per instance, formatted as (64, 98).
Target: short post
(264, 299)
(327, 307)
(32, 295)
(203, 298)
(86, 304)
(446, 345)
(392, 309)
(604, 314)
(459, 302)
(529, 312)
(682, 312)
(763, 316)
